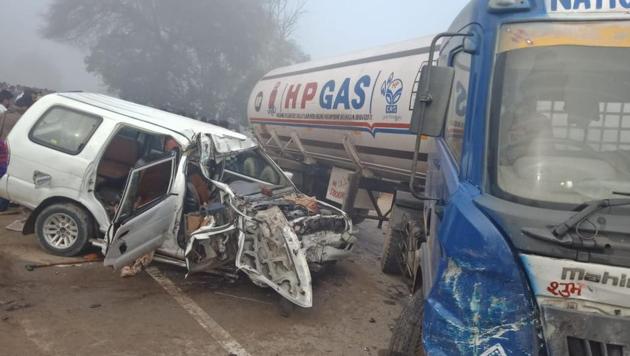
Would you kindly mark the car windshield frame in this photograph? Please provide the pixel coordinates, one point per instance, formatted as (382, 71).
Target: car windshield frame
(284, 181)
(497, 112)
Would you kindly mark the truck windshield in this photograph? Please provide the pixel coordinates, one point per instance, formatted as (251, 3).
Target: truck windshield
(561, 112)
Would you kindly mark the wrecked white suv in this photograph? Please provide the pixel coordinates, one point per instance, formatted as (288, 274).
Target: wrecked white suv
(135, 180)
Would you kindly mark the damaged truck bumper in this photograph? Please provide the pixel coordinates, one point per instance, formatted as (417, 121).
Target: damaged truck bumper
(484, 301)
(573, 332)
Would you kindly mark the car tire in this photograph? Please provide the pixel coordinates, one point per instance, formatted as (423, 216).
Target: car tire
(407, 333)
(392, 253)
(64, 229)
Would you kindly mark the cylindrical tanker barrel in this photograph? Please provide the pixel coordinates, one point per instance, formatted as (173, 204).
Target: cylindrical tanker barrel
(338, 111)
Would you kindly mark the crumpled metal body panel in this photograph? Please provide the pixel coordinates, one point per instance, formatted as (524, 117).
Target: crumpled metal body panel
(274, 248)
(270, 254)
(212, 145)
(321, 238)
(480, 301)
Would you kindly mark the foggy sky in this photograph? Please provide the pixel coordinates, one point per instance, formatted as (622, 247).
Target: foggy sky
(327, 28)
(26, 58)
(333, 27)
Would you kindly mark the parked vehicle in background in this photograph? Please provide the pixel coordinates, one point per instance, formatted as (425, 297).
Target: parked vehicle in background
(342, 125)
(134, 180)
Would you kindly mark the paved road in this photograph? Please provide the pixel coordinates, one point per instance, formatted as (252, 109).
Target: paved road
(89, 310)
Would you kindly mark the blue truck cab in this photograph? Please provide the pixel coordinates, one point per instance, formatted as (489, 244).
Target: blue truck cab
(524, 247)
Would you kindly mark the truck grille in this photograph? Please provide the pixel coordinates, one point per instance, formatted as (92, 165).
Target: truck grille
(577, 333)
(582, 347)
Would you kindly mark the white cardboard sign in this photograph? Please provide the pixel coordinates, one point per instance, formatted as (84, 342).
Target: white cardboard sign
(338, 187)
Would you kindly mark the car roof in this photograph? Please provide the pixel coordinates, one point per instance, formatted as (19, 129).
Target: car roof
(180, 124)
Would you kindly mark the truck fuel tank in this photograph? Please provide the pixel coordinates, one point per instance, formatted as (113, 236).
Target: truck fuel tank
(365, 100)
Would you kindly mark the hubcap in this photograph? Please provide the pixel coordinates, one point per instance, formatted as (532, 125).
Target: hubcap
(60, 231)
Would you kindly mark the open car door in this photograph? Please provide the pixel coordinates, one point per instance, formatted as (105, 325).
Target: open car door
(147, 213)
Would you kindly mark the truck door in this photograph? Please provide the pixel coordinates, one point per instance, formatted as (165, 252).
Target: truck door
(147, 213)
(445, 163)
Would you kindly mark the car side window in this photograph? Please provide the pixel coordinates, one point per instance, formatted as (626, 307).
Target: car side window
(65, 130)
(456, 117)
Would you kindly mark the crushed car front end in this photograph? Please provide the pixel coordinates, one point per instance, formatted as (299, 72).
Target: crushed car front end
(325, 232)
(265, 226)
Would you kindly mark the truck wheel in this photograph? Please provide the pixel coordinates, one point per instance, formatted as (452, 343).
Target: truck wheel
(359, 215)
(63, 229)
(407, 333)
(392, 252)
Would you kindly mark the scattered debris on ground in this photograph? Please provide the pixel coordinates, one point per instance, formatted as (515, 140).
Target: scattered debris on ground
(91, 258)
(137, 267)
(17, 225)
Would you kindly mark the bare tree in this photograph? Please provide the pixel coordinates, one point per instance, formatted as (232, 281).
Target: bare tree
(286, 14)
(199, 57)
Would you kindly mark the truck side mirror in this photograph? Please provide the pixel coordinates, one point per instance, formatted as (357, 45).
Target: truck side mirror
(434, 95)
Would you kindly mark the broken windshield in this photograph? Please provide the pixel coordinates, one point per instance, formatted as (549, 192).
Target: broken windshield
(561, 112)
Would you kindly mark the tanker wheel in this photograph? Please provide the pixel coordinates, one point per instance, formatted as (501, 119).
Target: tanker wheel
(407, 333)
(391, 259)
(359, 215)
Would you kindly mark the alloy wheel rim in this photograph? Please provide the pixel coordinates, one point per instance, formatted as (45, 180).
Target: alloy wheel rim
(60, 231)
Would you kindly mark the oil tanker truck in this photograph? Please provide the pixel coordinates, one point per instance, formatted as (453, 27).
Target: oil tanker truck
(517, 239)
(342, 127)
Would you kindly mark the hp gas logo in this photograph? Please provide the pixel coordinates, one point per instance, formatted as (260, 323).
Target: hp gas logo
(392, 90)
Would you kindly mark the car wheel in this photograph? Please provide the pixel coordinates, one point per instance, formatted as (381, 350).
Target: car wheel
(63, 229)
(407, 333)
(391, 258)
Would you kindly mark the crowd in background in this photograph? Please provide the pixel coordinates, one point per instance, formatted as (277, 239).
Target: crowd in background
(18, 90)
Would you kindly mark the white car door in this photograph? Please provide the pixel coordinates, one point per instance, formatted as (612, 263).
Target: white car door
(148, 212)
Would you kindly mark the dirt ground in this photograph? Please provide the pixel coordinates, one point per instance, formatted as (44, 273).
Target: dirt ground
(90, 310)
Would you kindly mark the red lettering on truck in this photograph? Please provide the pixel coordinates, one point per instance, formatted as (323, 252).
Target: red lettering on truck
(309, 93)
(292, 96)
(272, 98)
